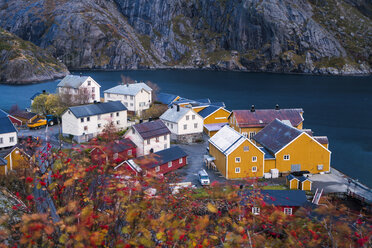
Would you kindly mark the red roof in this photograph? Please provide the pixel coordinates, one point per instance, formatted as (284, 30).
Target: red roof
(262, 117)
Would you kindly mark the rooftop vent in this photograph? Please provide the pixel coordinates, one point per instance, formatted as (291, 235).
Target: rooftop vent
(277, 107)
(178, 108)
(253, 109)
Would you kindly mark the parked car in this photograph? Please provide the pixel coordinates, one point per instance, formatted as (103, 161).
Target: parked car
(203, 178)
(52, 120)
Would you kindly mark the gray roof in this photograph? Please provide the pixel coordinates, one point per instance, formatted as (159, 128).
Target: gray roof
(97, 109)
(129, 89)
(151, 129)
(227, 140)
(72, 81)
(172, 115)
(276, 135)
(3, 161)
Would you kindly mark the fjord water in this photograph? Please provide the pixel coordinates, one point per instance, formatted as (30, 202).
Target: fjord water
(338, 107)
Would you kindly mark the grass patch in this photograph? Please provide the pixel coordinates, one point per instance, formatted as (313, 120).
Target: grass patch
(275, 187)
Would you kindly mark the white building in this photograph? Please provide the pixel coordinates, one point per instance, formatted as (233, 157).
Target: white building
(184, 123)
(8, 133)
(149, 137)
(80, 88)
(136, 97)
(86, 121)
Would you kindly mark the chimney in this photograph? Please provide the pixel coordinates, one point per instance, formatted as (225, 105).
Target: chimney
(178, 108)
(277, 107)
(252, 109)
(172, 106)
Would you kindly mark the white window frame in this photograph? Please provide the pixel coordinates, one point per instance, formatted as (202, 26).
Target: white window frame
(11, 139)
(286, 157)
(251, 135)
(1, 140)
(148, 141)
(237, 169)
(254, 169)
(254, 159)
(185, 127)
(157, 168)
(169, 164)
(165, 146)
(180, 160)
(129, 152)
(193, 117)
(256, 210)
(187, 117)
(165, 137)
(246, 148)
(288, 211)
(195, 125)
(237, 160)
(98, 117)
(320, 167)
(245, 134)
(117, 122)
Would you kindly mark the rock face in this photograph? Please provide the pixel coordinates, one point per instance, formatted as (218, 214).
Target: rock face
(23, 62)
(289, 36)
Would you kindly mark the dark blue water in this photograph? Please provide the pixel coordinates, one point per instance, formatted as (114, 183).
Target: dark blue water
(339, 107)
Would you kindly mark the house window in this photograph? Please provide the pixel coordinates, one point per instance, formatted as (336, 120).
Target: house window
(125, 96)
(93, 89)
(98, 117)
(157, 169)
(157, 139)
(180, 160)
(237, 160)
(99, 125)
(111, 115)
(89, 83)
(85, 128)
(169, 164)
(131, 97)
(133, 131)
(69, 112)
(129, 152)
(165, 137)
(288, 211)
(11, 139)
(195, 125)
(165, 146)
(254, 169)
(1, 140)
(88, 118)
(117, 122)
(245, 134)
(172, 126)
(82, 119)
(185, 127)
(193, 117)
(108, 94)
(187, 117)
(246, 148)
(131, 104)
(320, 167)
(251, 135)
(115, 156)
(126, 104)
(254, 159)
(237, 170)
(286, 157)
(148, 141)
(255, 210)
(117, 114)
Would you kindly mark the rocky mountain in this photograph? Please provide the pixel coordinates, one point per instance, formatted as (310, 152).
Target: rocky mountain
(289, 36)
(23, 62)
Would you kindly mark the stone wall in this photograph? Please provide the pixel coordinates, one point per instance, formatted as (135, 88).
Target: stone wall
(187, 138)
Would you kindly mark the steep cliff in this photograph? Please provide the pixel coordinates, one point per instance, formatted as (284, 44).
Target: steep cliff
(310, 36)
(23, 62)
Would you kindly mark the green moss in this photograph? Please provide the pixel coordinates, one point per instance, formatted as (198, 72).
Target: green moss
(145, 42)
(336, 62)
(216, 56)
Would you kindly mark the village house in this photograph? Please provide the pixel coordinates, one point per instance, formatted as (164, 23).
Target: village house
(250, 122)
(159, 163)
(185, 124)
(12, 159)
(235, 155)
(196, 105)
(215, 117)
(136, 97)
(302, 182)
(149, 137)
(292, 149)
(86, 121)
(115, 151)
(286, 201)
(82, 89)
(8, 133)
(22, 117)
(166, 98)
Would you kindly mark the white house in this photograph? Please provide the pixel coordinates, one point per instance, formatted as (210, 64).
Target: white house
(80, 88)
(8, 133)
(136, 97)
(149, 137)
(86, 121)
(184, 123)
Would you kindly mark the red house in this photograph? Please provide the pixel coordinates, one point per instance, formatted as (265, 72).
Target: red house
(116, 151)
(287, 201)
(160, 162)
(15, 121)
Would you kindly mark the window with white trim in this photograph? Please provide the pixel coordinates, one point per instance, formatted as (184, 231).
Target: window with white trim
(237, 169)
(256, 210)
(237, 160)
(195, 125)
(251, 135)
(11, 139)
(169, 164)
(180, 160)
(99, 125)
(82, 120)
(187, 117)
(288, 211)
(320, 167)
(129, 152)
(148, 141)
(193, 117)
(245, 134)
(117, 122)
(157, 169)
(115, 156)
(88, 118)
(1, 140)
(185, 127)
(246, 148)
(98, 117)
(165, 146)
(254, 169)
(286, 157)
(254, 159)
(157, 139)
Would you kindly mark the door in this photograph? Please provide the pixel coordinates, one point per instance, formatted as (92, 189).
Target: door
(295, 167)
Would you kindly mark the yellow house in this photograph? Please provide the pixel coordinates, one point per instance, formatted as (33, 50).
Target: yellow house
(235, 155)
(215, 118)
(293, 149)
(250, 122)
(293, 182)
(14, 159)
(305, 183)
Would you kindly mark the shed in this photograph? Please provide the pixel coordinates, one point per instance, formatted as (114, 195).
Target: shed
(292, 182)
(305, 183)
